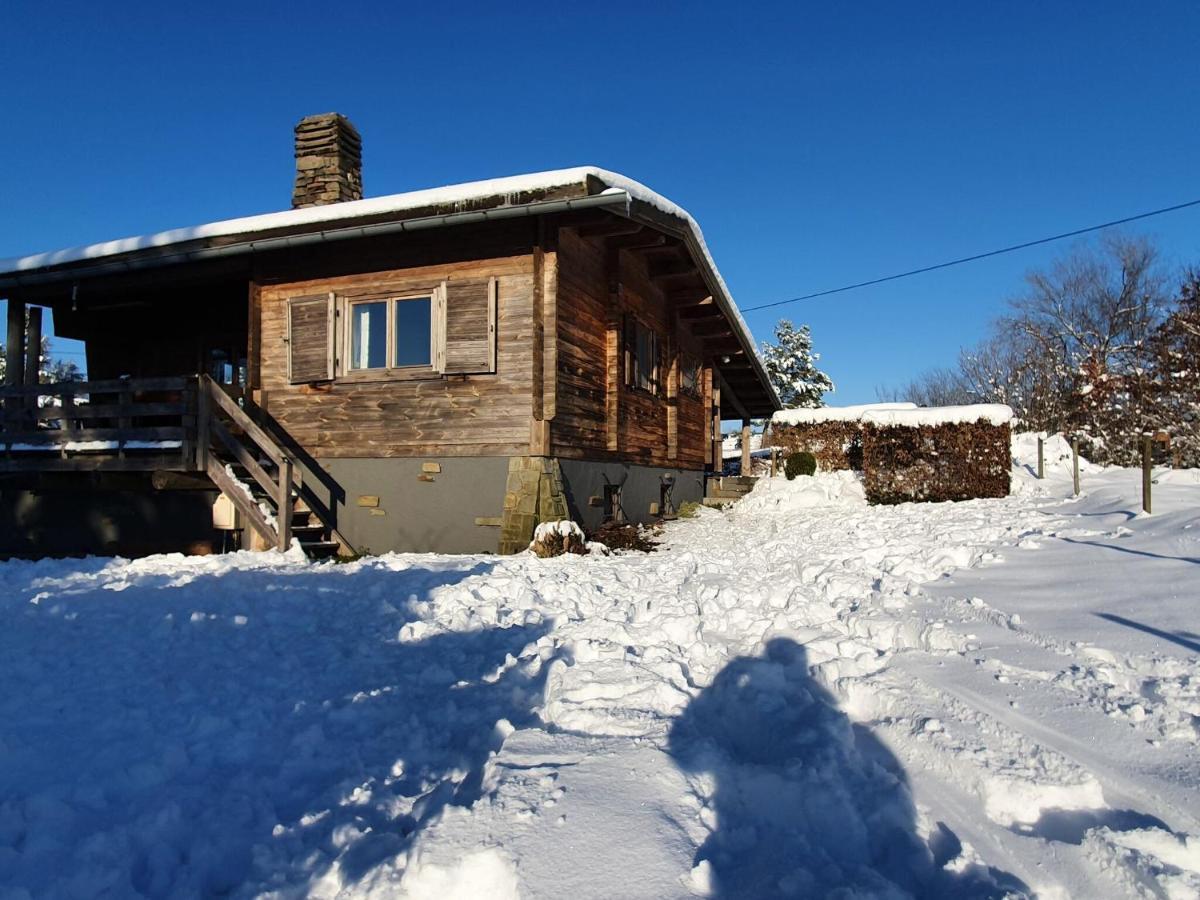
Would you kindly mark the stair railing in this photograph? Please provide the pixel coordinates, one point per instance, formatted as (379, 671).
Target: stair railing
(213, 406)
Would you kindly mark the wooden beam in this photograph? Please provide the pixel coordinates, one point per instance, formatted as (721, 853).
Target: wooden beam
(642, 240)
(672, 398)
(718, 460)
(745, 446)
(33, 346)
(682, 298)
(729, 396)
(254, 337)
(613, 225)
(679, 269)
(700, 311)
(714, 328)
(14, 352)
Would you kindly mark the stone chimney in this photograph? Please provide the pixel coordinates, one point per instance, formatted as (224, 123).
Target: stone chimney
(328, 161)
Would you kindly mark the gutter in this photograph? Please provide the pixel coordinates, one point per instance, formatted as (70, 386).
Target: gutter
(147, 259)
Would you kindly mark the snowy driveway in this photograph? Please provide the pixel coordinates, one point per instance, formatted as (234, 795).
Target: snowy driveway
(799, 695)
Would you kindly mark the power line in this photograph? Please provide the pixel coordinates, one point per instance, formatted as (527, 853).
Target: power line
(977, 256)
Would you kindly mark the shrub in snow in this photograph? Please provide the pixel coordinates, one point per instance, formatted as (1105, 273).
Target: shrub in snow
(800, 463)
(557, 538)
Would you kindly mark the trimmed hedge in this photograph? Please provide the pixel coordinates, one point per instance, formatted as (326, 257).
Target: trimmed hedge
(836, 445)
(936, 462)
(800, 462)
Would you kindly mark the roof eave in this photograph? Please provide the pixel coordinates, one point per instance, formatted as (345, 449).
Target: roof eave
(234, 245)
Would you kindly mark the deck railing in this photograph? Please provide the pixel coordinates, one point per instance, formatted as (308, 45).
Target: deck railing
(124, 424)
(175, 424)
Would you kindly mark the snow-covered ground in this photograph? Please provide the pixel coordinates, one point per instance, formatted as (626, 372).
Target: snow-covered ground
(794, 697)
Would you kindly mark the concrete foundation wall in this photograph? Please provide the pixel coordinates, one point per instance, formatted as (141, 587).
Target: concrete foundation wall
(640, 486)
(418, 510)
(82, 519)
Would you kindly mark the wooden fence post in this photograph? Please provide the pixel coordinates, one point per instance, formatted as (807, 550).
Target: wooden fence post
(1075, 461)
(1147, 465)
(1041, 457)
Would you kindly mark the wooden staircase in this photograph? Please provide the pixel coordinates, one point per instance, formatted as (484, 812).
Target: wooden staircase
(261, 480)
(723, 490)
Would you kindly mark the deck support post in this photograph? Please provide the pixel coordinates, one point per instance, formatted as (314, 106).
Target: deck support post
(14, 351)
(33, 348)
(745, 446)
(718, 460)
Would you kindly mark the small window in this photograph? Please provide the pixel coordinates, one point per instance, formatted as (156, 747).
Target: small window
(389, 334)
(642, 357)
(689, 373)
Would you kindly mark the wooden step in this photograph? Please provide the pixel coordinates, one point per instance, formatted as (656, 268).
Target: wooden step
(320, 549)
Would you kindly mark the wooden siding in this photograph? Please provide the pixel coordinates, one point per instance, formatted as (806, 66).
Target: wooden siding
(598, 416)
(452, 415)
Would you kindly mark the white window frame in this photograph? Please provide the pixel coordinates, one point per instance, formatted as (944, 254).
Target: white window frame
(432, 369)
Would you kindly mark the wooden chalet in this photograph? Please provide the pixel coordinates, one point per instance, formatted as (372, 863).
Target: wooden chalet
(438, 370)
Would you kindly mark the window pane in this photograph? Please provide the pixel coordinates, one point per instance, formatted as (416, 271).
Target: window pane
(413, 329)
(368, 335)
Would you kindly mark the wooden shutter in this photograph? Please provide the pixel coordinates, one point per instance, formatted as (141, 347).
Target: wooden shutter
(469, 326)
(310, 339)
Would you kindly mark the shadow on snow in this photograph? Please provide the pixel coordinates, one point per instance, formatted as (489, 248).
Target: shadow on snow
(162, 745)
(808, 804)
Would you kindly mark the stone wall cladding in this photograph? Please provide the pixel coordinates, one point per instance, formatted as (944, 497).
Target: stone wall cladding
(328, 161)
(533, 494)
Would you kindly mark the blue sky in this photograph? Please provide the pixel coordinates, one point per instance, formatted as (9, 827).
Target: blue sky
(817, 144)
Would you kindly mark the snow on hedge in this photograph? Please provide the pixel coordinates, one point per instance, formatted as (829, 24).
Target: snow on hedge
(833, 413)
(990, 413)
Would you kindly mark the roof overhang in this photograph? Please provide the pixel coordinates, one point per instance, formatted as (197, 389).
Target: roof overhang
(520, 196)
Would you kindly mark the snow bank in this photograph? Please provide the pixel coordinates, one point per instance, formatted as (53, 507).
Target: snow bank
(833, 413)
(800, 696)
(991, 413)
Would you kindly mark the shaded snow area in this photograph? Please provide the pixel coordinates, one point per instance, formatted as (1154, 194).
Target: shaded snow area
(802, 696)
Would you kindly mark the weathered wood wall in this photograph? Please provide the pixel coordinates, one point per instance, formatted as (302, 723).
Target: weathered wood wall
(451, 415)
(598, 416)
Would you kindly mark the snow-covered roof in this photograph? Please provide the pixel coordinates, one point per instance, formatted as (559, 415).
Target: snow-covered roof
(466, 198)
(353, 209)
(992, 413)
(833, 413)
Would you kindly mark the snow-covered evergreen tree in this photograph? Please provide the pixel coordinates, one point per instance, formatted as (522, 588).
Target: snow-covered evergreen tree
(792, 367)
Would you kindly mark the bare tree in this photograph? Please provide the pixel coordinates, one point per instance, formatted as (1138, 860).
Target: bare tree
(1085, 324)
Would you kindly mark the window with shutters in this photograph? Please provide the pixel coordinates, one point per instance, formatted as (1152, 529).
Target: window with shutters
(446, 328)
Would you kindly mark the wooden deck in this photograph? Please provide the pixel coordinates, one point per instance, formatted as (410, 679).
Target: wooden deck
(178, 424)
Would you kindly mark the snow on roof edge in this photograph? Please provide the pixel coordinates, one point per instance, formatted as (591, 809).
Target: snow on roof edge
(807, 416)
(992, 413)
(394, 203)
(311, 215)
